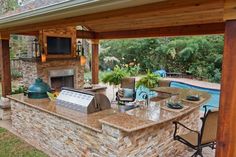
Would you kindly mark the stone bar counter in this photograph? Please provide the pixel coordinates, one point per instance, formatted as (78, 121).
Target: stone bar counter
(138, 132)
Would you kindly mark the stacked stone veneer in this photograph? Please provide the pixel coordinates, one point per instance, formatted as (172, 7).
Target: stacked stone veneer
(29, 71)
(32, 69)
(60, 137)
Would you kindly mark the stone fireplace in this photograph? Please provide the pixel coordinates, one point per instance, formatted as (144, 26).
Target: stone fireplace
(62, 67)
(57, 72)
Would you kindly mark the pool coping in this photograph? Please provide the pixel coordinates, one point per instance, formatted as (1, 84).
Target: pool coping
(204, 88)
(196, 83)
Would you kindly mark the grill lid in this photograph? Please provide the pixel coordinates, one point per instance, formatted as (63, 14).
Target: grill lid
(38, 89)
(82, 101)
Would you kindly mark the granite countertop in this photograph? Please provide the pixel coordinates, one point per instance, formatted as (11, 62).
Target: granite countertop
(86, 120)
(129, 121)
(182, 93)
(155, 114)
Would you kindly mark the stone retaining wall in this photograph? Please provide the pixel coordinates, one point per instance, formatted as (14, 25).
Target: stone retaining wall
(60, 137)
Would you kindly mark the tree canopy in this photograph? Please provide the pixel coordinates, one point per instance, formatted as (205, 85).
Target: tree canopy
(8, 5)
(200, 56)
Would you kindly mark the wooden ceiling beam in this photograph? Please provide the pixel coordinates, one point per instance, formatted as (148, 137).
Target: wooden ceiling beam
(203, 29)
(33, 33)
(81, 34)
(212, 28)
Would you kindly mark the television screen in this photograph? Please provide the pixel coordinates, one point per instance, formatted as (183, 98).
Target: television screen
(58, 45)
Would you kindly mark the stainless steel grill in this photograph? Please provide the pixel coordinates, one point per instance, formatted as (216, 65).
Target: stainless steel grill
(82, 101)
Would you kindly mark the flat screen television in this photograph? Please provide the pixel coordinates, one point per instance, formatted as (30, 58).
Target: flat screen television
(58, 45)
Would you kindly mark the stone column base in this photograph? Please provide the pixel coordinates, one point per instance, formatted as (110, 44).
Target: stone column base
(5, 109)
(5, 114)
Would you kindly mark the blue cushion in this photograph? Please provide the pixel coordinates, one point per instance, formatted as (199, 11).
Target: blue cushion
(128, 93)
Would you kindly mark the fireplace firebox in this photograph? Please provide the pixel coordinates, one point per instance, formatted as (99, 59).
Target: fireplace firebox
(61, 78)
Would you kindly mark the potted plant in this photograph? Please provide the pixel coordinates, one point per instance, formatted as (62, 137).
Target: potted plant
(114, 77)
(147, 82)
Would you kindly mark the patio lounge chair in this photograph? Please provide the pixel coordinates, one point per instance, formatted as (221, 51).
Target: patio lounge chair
(162, 73)
(206, 137)
(164, 83)
(127, 84)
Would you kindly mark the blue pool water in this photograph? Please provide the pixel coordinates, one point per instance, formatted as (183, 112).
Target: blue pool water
(215, 94)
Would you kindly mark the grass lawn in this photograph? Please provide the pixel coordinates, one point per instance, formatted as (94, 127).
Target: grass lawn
(12, 146)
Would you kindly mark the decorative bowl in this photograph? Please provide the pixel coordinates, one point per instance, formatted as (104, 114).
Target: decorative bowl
(175, 105)
(193, 98)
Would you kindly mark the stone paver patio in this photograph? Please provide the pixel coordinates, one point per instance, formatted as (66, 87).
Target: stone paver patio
(207, 152)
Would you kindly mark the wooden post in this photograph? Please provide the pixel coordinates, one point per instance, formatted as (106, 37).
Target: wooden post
(95, 61)
(226, 139)
(5, 64)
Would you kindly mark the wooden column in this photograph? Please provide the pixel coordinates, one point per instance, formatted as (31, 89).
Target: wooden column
(5, 64)
(95, 61)
(226, 139)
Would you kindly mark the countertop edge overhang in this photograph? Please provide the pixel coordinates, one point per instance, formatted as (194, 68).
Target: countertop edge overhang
(122, 121)
(53, 113)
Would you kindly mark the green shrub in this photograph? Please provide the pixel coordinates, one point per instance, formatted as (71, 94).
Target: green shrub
(133, 70)
(217, 76)
(19, 89)
(199, 55)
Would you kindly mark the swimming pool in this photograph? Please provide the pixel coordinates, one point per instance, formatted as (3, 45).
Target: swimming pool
(215, 94)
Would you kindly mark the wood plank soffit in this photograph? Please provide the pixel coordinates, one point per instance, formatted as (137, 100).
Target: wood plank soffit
(230, 10)
(174, 9)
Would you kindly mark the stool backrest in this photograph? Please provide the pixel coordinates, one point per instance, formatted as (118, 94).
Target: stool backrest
(128, 83)
(209, 126)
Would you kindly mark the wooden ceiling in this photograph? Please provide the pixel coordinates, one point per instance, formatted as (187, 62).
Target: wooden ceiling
(163, 14)
(167, 13)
